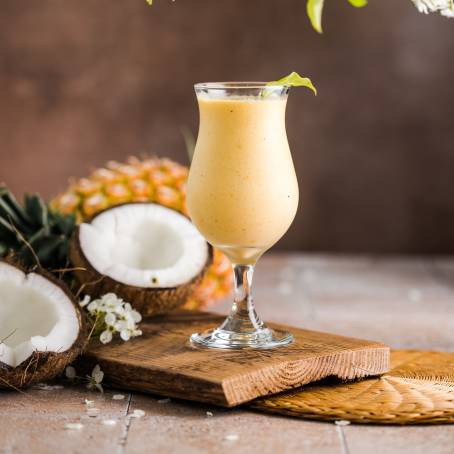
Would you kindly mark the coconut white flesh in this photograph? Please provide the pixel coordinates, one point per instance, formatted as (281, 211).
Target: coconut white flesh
(144, 245)
(35, 315)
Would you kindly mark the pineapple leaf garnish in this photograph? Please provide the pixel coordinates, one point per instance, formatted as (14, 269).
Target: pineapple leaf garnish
(34, 234)
(295, 80)
(315, 10)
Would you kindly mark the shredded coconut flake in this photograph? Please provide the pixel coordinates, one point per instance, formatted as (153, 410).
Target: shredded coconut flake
(93, 412)
(74, 426)
(109, 422)
(46, 387)
(137, 414)
(231, 437)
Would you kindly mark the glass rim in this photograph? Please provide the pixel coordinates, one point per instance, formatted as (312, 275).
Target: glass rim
(237, 85)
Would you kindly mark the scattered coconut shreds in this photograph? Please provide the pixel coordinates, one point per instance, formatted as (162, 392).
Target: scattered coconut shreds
(164, 401)
(231, 437)
(46, 387)
(342, 422)
(109, 422)
(74, 426)
(118, 397)
(209, 414)
(93, 412)
(137, 414)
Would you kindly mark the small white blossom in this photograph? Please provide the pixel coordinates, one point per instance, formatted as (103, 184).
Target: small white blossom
(118, 397)
(111, 316)
(70, 372)
(93, 306)
(137, 318)
(110, 319)
(85, 301)
(342, 422)
(444, 7)
(89, 403)
(125, 334)
(94, 381)
(97, 374)
(106, 337)
(209, 414)
(121, 325)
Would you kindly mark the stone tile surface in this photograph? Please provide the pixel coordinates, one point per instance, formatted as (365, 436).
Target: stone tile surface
(405, 302)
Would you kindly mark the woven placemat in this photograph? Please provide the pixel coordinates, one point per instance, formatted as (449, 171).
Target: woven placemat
(419, 389)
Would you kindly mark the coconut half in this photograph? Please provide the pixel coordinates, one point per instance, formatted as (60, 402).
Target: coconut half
(41, 327)
(151, 256)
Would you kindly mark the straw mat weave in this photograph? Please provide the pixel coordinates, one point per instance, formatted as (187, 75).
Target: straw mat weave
(419, 389)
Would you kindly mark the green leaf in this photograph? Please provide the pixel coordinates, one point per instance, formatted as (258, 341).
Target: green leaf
(47, 249)
(3, 250)
(64, 223)
(36, 209)
(295, 80)
(6, 228)
(11, 207)
(37, 237)
(314, 11)
(358, 3)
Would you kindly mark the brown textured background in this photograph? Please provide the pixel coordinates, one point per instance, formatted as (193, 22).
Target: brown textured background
(86, 81)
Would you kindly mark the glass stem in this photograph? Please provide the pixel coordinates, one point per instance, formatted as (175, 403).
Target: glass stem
(242, 317)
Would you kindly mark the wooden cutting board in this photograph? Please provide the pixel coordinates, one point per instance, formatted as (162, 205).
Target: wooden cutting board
(163, 362)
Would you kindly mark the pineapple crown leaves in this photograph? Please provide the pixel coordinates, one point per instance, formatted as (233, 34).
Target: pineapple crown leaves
(34, 234)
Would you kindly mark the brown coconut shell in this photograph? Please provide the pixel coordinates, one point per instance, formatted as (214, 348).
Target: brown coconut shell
(44, 366)
(148, 301)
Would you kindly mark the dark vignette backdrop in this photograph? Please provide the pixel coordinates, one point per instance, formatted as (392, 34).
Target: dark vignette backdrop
(86, 81)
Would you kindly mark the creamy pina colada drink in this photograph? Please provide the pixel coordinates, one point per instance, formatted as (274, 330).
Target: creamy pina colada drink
(242, 193)
(242, 189)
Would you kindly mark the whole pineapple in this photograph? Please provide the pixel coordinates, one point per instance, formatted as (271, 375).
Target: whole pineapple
(156, 180)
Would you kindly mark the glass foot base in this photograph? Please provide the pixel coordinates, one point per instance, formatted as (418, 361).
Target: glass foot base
(261, 339)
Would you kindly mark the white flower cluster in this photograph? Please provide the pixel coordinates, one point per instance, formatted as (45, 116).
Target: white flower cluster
(445, 7)
(114, 316)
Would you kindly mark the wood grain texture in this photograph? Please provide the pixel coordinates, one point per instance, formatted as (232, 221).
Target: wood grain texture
(163, 362)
